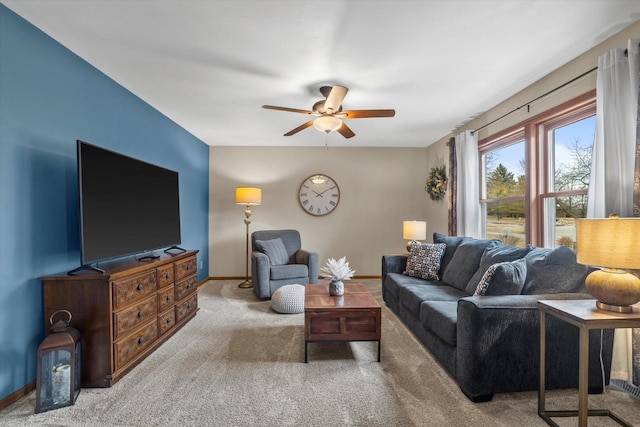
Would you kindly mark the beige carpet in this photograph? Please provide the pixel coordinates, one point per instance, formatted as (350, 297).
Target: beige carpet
(238, 363)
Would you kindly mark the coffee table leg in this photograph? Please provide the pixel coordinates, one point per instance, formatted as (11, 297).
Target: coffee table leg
(378, 350)
(305, 351)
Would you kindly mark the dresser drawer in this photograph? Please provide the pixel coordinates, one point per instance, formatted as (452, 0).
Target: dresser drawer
(166, 321)
(165, 298)
(127, 348)
(186, 267)
(133, 288)
(186, 307)
(186, 287)
(165, 275)
(130, 318)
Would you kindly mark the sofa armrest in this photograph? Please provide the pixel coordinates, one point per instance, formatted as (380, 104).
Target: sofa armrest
(493, 331)
(393, 264)
(311, 260)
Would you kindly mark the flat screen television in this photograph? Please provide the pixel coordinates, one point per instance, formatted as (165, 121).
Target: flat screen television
(127, 206)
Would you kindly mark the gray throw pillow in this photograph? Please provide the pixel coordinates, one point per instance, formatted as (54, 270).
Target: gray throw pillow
(452, 243)
(493, 255)
(275, 250)
(503, 278)
(424, 260)
(465, 261)
(551, 271)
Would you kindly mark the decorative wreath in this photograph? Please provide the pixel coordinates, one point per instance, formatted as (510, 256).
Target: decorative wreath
(437, 183)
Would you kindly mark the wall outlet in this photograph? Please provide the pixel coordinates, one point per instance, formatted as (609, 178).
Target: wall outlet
(200, 265)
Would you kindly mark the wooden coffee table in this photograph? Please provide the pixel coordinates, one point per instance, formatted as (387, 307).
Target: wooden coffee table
(354, 316)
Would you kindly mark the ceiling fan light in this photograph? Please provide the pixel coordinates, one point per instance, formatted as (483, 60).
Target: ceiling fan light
(327, 123)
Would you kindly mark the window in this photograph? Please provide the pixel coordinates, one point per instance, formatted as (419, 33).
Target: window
(535, 176)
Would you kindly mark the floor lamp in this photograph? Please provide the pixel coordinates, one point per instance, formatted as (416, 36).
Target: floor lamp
(247, 196)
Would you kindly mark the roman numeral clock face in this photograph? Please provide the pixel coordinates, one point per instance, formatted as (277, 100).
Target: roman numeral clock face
(319, 195)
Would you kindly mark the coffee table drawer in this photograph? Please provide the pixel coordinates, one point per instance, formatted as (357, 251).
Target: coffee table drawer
(361, 324)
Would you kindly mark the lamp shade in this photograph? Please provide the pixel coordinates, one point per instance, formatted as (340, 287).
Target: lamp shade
(327, 123)
(414, 230)
(609, 243)
(248, 195)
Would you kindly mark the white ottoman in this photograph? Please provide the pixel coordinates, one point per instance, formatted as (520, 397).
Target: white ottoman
(288, 299)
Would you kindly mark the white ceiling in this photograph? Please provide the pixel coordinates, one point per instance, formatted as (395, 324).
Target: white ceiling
(211, 65)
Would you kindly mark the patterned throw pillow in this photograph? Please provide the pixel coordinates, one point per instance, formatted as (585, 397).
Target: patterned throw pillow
(424, 260)
(274, 249)
(503, 278)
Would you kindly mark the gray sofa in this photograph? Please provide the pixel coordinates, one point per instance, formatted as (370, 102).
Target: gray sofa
(490, 344)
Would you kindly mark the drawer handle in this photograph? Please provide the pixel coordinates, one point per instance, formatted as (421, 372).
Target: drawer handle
(168, 320)
(188, 267)
(189, 285)
(140, 314)
(188, 306)
(167, 276)
(168, 298)
(139, 288)
(140, 340)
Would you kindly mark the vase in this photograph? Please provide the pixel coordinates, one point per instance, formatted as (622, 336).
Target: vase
(336, 288)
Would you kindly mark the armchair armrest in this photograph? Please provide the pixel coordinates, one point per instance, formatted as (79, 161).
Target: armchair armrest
(393, 264)
(495, 331)
(311, 260)
(260, 267)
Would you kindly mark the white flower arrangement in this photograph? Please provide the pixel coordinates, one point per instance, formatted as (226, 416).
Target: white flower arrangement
(337, 270)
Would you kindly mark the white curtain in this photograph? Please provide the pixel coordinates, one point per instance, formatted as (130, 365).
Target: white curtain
(613, 159)
(468, 197)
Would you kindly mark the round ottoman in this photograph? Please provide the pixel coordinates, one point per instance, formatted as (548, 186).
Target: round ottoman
(288, 299)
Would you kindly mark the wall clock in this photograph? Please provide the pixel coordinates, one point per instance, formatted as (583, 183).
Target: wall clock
(319, 195)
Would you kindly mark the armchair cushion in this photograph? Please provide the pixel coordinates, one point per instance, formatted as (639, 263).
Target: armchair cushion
(290, 271)
(274, 249)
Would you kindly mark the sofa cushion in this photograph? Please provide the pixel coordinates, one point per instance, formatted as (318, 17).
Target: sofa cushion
(554, 271)
(440, 317)
(411, 296)
(274, 249)
(395, 281)
(503, 278)
(424, 260)
(493, 255)
(289, 271)
(465, 261)
(452, 243)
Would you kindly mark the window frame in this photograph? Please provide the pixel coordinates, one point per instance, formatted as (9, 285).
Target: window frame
(534, 132)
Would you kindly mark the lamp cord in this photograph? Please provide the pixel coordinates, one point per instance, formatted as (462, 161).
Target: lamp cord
(604, 390)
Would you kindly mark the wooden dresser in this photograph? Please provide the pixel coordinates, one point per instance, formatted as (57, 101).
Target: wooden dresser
(126, 313)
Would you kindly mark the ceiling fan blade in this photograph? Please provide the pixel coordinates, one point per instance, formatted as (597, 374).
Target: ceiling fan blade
(335, 98)
(346, 131)
(299, 128)
(292, 110)
(365, 114)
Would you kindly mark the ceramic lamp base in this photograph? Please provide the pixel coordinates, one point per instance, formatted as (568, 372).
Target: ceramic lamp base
(615, 290)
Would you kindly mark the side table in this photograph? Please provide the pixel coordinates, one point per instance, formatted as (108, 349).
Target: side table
(586, 316)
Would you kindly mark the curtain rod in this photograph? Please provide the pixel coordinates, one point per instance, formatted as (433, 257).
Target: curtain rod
(534, 100)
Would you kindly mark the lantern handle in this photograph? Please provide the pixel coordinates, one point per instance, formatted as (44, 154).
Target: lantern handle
(60, 311)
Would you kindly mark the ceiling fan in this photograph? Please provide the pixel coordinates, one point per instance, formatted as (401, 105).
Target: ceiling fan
(329, 114)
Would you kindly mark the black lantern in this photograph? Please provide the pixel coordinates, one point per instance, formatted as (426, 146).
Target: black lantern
(58, 382)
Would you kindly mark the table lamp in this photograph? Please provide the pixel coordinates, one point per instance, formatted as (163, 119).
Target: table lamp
(414, 230)
(613, 244)
(248, 196)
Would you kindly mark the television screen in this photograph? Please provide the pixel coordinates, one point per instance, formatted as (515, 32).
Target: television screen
(127, 206)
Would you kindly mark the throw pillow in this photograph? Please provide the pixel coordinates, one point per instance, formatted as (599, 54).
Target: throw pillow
(452, 243)
(424, 260)
(275, 250)
(554, 271)
(465, 261)
(503, 278)
(492, 256)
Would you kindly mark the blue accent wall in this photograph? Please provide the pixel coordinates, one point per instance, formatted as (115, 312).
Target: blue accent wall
(49, 98)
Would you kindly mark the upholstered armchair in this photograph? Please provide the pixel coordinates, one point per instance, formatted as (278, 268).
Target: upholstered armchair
(277, 259)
